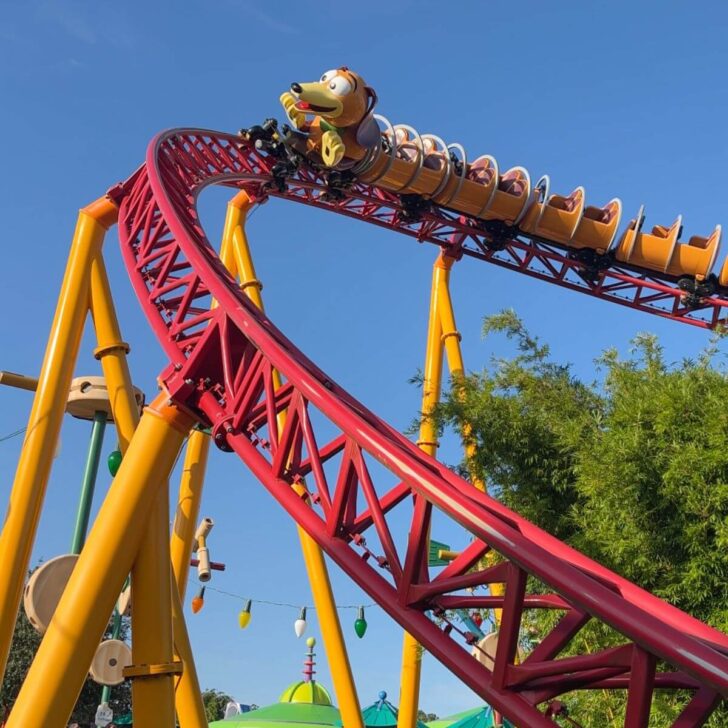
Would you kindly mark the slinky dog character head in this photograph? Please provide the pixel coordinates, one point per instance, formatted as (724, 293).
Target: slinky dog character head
(340, 97)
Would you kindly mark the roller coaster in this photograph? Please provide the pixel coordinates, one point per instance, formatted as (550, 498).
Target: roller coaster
(233, 373)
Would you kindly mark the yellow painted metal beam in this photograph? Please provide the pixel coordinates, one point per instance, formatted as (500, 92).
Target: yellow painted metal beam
(451, 341)
(187, 693)
(151, 593)
(188, 507)
(431, 388)
(61, 664)
(193, 469)
(442, 336)
(323, 597)
(149, 587)
(44, 423)
(112, 352)
(190, 710)
(151, 619)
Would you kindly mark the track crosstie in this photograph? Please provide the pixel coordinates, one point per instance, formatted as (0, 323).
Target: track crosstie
(221, 368)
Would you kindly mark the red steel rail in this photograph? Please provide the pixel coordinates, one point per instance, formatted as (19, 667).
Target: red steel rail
(362, 477)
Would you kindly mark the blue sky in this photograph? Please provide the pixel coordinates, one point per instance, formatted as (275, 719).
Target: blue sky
(626, 98)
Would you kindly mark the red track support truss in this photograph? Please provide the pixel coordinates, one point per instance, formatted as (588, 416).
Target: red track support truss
(359, 472)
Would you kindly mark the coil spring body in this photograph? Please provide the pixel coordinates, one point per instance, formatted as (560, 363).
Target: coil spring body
(409, 163)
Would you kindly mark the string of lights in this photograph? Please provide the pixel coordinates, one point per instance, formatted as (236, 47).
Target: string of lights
(299, 626)
(284, 604)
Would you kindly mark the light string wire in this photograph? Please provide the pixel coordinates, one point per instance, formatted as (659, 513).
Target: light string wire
(284, 604)
(11, 435)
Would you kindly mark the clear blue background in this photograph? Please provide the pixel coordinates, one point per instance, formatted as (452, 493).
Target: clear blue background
(626, 98)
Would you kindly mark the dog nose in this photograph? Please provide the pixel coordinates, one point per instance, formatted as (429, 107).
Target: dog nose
(296, 88)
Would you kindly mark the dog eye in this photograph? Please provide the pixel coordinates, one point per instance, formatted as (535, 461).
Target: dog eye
(340, 86)
(328, 75)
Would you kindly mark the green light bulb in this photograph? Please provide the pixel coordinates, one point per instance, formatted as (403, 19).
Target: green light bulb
(114, 461)
(360, 626)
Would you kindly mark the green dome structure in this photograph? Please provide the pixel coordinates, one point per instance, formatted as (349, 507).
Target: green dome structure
(306, 692)
(381, 714)
(284, 715)
(303, 704)
(447, 721)
(474, 718)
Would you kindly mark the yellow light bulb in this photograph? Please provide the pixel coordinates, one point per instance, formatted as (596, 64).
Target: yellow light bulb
(244, 616)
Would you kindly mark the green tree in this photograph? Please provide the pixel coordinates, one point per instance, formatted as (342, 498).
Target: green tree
(22, 650)
(631, 469)
(25, 643)
(426, 717)
(215, 702)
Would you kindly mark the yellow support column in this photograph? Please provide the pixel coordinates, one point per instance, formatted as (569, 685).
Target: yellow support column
(193, 471)
(188, 507)
(334, 645)
(151, 621)
(188, 700)
(44, 424)
(442, 334)
(451, 341)
(61, 664)
(313, 557)
(112, 352)
(431, 386)
(188, 697)
(187, 693)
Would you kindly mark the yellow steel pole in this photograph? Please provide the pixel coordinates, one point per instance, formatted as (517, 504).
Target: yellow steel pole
(313, 557)
(431, 386)
(451, 341)
(187, 693)
(237, 210)
(188, 507)
(151, 620)
(190, 710)
(193, 469)
(112, 352)
(61, 664)
(328, 618)
(188, 700)
(44, 424)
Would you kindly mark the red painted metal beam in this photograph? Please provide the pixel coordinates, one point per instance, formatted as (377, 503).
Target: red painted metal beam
(221, 362)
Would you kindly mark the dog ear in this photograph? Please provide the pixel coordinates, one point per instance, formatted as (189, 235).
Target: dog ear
(372, 97)
(368, 134)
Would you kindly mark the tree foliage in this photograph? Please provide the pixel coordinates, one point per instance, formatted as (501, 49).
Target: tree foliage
(215, 702)
(631, 469)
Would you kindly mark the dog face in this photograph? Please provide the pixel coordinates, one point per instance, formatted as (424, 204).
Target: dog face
(341, 96)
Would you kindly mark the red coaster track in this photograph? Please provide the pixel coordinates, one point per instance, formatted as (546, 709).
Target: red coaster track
(221, 367)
